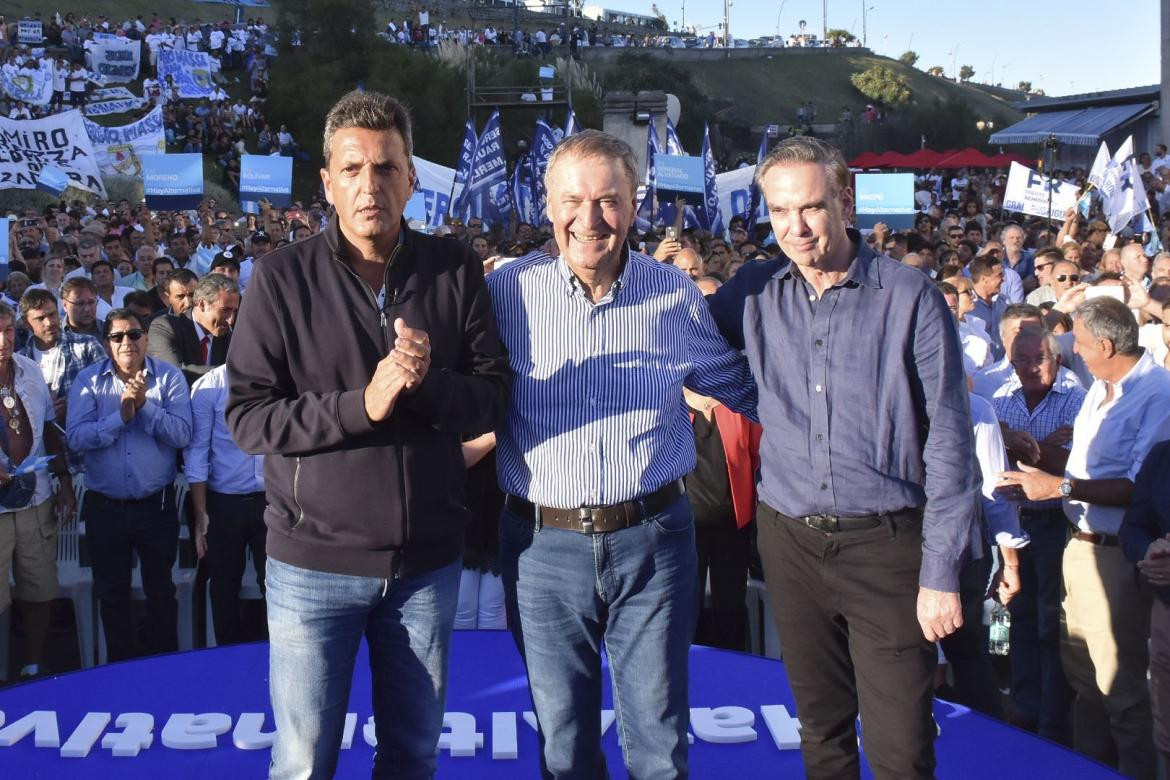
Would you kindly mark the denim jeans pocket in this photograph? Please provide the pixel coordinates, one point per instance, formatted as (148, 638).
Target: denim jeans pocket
(676, 519)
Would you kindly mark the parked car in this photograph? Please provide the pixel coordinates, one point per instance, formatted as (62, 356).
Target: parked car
(669, 42)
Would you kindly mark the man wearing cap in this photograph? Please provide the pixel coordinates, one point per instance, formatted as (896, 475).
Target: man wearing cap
(260, 243)
(198, 341)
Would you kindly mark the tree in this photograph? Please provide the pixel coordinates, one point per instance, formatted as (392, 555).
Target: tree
(966, 72)
(909, 58)
(839, 37)
(936, 70)
(883, 85)
(1025, 86)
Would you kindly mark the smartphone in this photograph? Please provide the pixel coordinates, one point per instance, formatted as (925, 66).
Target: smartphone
(671, 234)
(1110, 291)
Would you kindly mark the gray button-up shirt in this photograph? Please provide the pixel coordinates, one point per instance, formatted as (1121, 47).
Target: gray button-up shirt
(862, 396)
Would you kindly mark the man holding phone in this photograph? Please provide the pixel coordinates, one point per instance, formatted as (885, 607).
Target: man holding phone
(1106, 612)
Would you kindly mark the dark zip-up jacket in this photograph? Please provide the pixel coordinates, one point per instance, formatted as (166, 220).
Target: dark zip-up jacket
(346, 495)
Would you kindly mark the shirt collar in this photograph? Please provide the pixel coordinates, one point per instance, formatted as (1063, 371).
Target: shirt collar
(574, 284)
(1140, 369)
(147, 366)
(863, 270)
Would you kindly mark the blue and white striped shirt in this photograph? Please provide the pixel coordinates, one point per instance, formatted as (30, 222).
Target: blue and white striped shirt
(597, 414)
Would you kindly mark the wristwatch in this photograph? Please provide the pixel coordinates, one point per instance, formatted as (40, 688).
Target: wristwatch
(1066, 488)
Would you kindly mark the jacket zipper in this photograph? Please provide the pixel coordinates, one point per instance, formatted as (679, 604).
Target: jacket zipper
(396, 569)
(296, 497)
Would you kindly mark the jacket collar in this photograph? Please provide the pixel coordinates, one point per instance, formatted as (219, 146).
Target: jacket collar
(332, 233)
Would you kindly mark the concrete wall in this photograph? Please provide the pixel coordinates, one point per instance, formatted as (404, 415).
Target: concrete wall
(1165, 101)
(619, 108)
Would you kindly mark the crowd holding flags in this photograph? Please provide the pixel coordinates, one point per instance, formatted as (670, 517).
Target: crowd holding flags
(1118, 181)
(486, 191)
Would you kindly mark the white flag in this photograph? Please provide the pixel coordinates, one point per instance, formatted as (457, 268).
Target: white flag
(1100, 163)
(1122, 189)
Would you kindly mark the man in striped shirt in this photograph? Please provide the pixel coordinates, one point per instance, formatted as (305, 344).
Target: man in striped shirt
(1037, 406)
(596, 536)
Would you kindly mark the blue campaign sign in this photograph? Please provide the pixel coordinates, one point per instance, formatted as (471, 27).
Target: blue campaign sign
(416, 208)
(4, 228)
(263, 176)
(172, 181)
(885, 197)
(679, 176)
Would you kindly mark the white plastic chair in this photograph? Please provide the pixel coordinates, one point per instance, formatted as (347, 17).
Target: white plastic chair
(75, 583)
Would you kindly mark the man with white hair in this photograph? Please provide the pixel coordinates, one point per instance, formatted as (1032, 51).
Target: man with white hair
(1106, 612)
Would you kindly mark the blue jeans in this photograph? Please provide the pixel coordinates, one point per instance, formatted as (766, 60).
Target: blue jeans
(315, 623)
(566, 593)
(1040, 692)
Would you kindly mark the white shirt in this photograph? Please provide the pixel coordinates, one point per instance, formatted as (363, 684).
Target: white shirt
(976, 344)
(1003, 519)
(1150, 337)
(1111, 439)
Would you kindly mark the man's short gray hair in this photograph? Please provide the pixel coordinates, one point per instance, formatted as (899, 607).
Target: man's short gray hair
(1018, 311)
(1047, 337)
(212, 285)
(594, 143)
(144, 250)
(1109, 318)
(369, 111)
(803, 149)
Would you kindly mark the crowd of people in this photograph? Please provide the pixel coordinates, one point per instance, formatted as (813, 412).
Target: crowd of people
(1000, 412)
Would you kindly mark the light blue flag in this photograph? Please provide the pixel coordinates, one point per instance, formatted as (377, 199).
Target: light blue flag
(571, 126)
(4, 228)
(673, 145)
(544, 140)
(645, 218)
(1154, 244)
(52, 180)
(754, 189)
(1085, 203)
(710, 216)
(458, 206)
(522, 190)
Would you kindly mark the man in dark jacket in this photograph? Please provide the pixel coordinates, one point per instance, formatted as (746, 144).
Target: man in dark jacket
(361, 356)
(198, 341)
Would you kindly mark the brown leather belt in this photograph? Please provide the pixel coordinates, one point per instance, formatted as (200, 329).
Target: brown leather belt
(1105, 540)
(599, 519)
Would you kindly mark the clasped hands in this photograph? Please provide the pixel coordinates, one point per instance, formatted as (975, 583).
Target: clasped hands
(402, 370)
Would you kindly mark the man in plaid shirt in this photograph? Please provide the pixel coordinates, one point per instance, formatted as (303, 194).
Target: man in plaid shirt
(1037, 405)
(60, 353)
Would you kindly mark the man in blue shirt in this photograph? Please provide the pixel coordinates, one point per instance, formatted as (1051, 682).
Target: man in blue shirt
(227, 493)
(597, 542)
(129, 416)
(867, 491)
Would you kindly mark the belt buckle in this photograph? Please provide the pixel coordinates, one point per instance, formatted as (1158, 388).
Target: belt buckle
(822, 522)
(585, 514)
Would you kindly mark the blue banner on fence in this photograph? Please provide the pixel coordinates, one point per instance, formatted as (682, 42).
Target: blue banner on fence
(885, 197)
(677, 176)
(191, 71)
(172, 181)
(266, 177)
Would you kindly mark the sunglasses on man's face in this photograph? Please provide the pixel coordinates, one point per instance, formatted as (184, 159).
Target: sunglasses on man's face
(1068, 278)
(133, 334)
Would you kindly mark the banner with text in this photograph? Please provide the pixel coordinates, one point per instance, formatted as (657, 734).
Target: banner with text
(120, 149)
(30, 31)
(34, 87)
(28, 145)
(885, 197)
(172, 181)
(112, 100)
(116, 60)
(1027, 192)
(679, 176)
(263, 176)
(191, 71)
